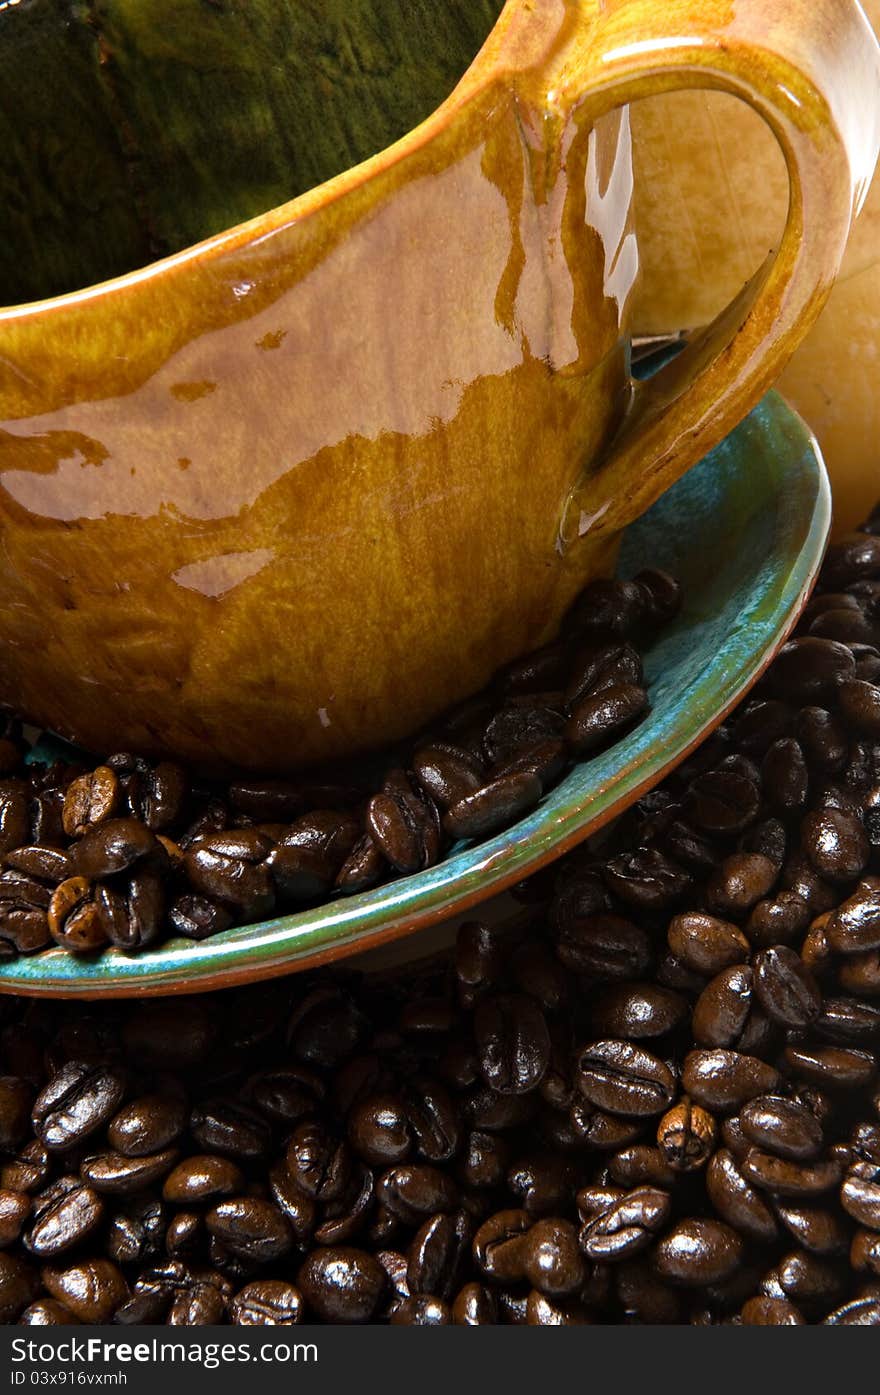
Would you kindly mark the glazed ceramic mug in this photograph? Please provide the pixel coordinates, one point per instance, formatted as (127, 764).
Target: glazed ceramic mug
(293, 490)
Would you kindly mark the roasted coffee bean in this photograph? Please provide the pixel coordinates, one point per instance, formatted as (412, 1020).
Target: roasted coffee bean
(29, 1169)
(640, 1166)
(722, 802)
(785, 988)
(770, 1312)
(784, 1177)
(637, 1011)
(77, 1101)
(43, 863)
(847, 1021)
(318, 1162)
(624, 1079)
(726, 1080)
(542, 1183)
(605, 947)
(607, 1132)
(113, 846)
(90, 800)
(740, 882)
(202, 1178)
(47, 1312)
(379, 1132)
(782, 1126)
(91, 1290)
(474, 1306)
(116, 1175)
(607, 608)
(250, 1227)
(600, 664)
(230, 1128)
(809, 670)
(435, 1255)
(197, 1305)
(433, 1119)
(831, 1066)
(855, 925)
(404, 824)
(75, 920)
(64, 1215)
(722, 1010)
(342, 1284)
(836, 843)
(552, 1261)
(512, 1042)
(697, 1252)
(860, 706)
(198, 917)
(861, 1312)
(15, 1207)
(686, 1136)
(447, 773)
(493, 806)
(484, 1160)
(602, 717)
(147, 1124)
(517, 730)
(422, 1310)
(784, 775)
(860, 1194)
(706, 944)
(267, 1303)
(132, 914)
(363, 868)
(778, 920)
(233, 868)
(499, 1246)
(412, 1192)
(813, 1227)
(646, 879)
(811, 1283)
(625, 1225)
(14, 821)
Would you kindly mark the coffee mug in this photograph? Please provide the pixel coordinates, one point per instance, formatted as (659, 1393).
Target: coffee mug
(293, 490)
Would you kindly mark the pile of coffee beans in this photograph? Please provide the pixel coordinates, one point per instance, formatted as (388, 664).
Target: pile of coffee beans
(129, 852)
(652, 1099)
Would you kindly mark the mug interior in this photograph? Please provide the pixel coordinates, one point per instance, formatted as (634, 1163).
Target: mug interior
(130, 129)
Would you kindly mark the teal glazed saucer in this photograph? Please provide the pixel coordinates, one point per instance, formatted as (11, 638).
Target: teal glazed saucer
(745, 532)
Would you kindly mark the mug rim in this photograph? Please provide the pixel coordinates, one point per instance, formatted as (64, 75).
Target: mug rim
(475, 79)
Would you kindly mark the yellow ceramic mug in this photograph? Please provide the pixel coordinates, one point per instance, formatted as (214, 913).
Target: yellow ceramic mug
(294, 490)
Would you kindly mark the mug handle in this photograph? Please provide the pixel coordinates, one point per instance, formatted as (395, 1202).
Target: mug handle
(811, 69)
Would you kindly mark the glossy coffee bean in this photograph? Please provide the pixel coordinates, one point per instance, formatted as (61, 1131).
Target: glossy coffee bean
(855, 925)
(785, 987)
(202, 1178)
(147, 1124)
(735, 1199)
(64, 1215)
(341, 1284)
(552, 1261)
(605, 948)
(91, 799)
(602, 717)
(809, 670)
(493, 806)
(621, 1078)
(474, 1306)
(267, 1303)
(697, 1252)
(726, 1080)
(770, 1312)
(91, 1290)
(686, 1136)
(706, 944)
(78, 1100)
(860, 1194)
(254, 1229)
(782, 1126)
(624, 1225)
(637, 1011)
(499, 1245)
(836, 843)
(786, 1178)
(113, 1174)
(512, 1041)
(722, 1011)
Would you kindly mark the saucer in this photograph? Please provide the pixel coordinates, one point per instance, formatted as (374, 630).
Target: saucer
(745, 532)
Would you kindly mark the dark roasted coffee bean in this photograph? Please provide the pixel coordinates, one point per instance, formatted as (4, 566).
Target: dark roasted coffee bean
(512, 1042)
(14, 821)
(770, 1312)
(342, 1284)
(860, 1194)
(809, 670)
(114, 846)
(737, 1201)
(47, 1312)
(436, 1253)
(740, 882)
(198, 917)
(785, 988)
(19, 1286)
(116, 1175)
(551, 1260)
(706, 944)
(784, 776)
(233, 868)
(318, 1162)
(686, 1136)
(447, 773)
(91, 1290)
(636, 1011)
(147, 1124)
(599, 665)
(15, 1207)
(861, 1312)
(517, 730)
(378, 1130)
(640, 1166)
(363, 868)
(64, 1215)
(646, 879)
(697, 1252)
(412, 1192)
(834, 1067)
(499, 1246)
(784, 1177)
(782, 1126)
(422, 1310)
(722, 802)
(603, 716)
(848, 1022)
(813, 1227)
(202, 1178)
(493, 806)
(227, 1127)
(606, 1132)
(40, 862)
(778, 920)
(433, 1119)
(722, 1010)
(474, 1306)
(663, 593)
(625, 1225)
(855, 925)
(624, 1079)
(132, 914)
(484, 1160)
(836, 843)
(250, 1227)
(726, 1080)
(79, 1099)
(811, 1283)
(267, 1303)
(29, 1169)
(197, 1305)
(605, 947)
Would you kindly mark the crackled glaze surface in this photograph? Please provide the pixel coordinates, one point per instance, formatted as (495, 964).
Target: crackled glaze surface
(295, 489)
